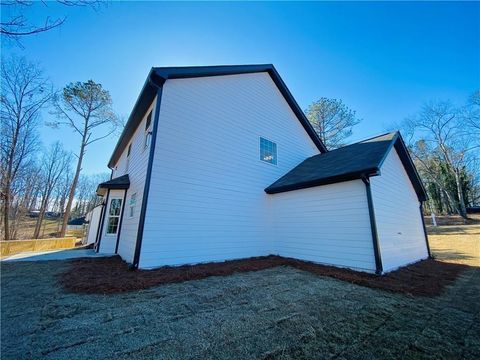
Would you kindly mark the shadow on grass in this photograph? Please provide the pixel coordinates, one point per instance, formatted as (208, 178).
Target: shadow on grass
(454, 230)
(445, 255)
(111, 275)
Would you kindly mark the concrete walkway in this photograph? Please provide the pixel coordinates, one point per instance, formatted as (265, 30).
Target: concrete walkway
(53, 255)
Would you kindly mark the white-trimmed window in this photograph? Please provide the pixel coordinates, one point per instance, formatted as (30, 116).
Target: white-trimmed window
(148, 131)
(128, 157)
(131, 205)
(114, 216)
(268, 151)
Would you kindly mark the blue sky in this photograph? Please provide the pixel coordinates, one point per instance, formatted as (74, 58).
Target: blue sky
(382, 59)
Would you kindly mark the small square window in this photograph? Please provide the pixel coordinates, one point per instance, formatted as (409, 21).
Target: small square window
(268, 151)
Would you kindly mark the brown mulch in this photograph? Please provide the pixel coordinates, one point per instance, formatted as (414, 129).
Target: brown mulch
(111, 275)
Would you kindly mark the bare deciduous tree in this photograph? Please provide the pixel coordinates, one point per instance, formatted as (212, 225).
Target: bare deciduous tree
(332, 120)
(86, 108)
(439, 126)
(17, 24)
(24, 93)
(54, 164)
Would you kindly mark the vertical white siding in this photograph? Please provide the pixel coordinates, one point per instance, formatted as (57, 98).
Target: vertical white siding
(326, 224)
(137, 169)
(399, 223)
(93, 218)
(206, 200)
(109, 241)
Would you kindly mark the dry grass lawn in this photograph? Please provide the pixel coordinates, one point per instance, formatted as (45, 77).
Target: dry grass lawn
(276, 313)
(50, 229)
(459, 244)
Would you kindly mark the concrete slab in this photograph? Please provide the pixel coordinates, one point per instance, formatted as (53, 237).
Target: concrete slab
(54, 255)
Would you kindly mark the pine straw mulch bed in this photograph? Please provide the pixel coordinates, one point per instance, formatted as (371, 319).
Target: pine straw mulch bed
(111, 275)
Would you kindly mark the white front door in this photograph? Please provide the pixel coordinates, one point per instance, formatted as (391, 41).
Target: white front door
(112, 222)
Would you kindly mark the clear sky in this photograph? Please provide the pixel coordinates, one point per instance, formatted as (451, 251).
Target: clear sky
(382, 59)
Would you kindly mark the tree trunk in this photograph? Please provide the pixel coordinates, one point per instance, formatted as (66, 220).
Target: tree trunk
(71, 195)
(462, 211)
(6, 210)
(41, 216)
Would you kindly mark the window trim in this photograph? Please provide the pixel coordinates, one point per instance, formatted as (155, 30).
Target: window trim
(132, 207)
(129, 152)
(108, 215)
(148, 132)
(260, 137)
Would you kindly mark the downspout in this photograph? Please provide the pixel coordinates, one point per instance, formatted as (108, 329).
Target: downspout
(425, 230)
(146, 189)
(373, 227)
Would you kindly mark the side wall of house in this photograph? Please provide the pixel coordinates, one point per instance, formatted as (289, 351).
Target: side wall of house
(399, 222)
(325, 224)
(136, 170)
(207, 199)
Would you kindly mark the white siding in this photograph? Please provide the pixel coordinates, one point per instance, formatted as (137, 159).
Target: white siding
(93, 218)
(206, 200)
(399, 223)
(325, 224)
(137, 169)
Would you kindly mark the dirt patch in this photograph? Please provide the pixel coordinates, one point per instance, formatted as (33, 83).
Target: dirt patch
(111, 275)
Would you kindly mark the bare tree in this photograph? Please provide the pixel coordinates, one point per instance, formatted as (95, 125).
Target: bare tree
(472, 114)
(332, 120)
(61, 192)
(439, 125)
(86, 108)
(24, 93)
(54, 164)
(17, 24)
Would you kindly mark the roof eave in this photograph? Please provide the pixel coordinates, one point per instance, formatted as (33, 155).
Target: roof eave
(151, 84)
(325, 181)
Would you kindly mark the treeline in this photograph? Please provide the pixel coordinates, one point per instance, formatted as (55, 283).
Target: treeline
(444, 140)
(38, 181)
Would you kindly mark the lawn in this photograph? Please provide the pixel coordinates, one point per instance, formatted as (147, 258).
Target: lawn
(276, 313)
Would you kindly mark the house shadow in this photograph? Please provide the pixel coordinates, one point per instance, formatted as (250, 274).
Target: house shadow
(457, 256)
(53, 255)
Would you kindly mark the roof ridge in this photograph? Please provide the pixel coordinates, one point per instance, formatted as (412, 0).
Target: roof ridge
(210, 66)
(358, 142)
(377, 136)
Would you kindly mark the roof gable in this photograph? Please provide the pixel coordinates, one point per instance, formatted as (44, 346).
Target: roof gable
(350, 162)
(158, 76)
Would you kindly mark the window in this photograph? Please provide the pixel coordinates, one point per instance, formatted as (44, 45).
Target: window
(148, 132)
(268, 151)
(114, 216)
(133, 202)
(128, 156)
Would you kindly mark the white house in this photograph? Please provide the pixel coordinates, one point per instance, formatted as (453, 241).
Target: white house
(219, 163)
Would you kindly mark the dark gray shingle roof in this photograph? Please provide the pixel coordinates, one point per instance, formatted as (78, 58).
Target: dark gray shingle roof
(121, 182)
(348, 163)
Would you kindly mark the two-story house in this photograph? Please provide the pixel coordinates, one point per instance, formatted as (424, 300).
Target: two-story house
(219, 163)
